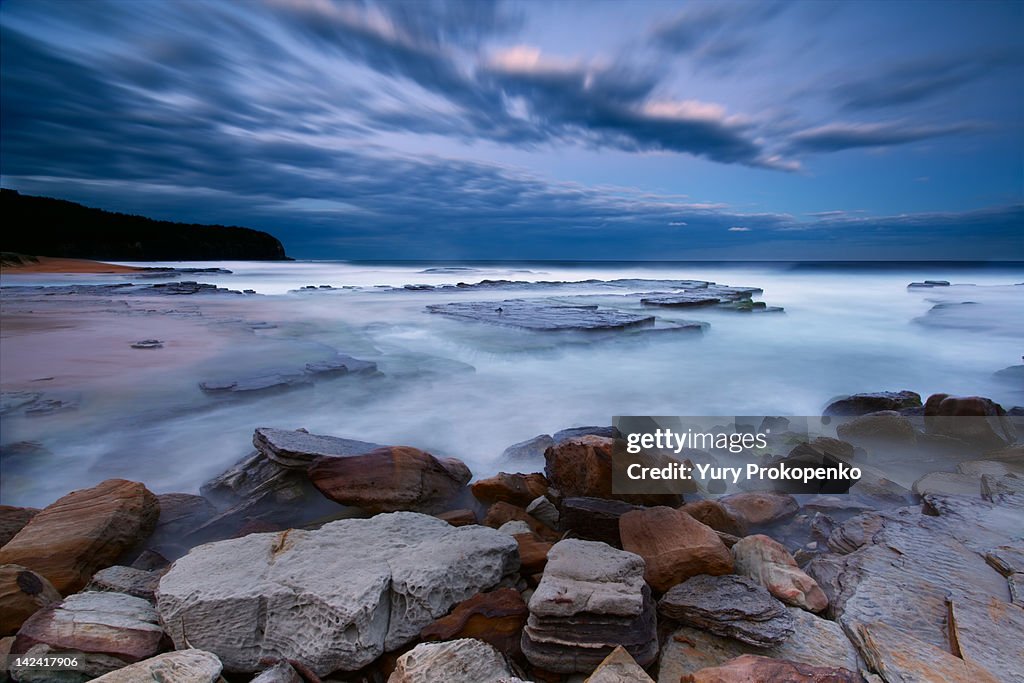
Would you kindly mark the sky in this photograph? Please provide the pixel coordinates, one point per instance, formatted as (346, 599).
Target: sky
(536, 130)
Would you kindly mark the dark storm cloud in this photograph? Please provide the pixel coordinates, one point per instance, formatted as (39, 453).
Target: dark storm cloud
(841, 136)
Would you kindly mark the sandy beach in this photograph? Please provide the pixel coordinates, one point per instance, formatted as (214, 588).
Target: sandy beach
(48, 264)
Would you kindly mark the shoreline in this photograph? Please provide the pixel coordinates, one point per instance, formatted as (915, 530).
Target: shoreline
(72, 266)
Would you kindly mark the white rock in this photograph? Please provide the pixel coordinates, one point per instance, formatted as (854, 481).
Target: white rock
(183, 666)
(335, 598)
(515, 526)
(455, 661)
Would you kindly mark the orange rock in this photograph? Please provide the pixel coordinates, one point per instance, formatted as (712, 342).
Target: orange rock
(533, 553)
(502, 512)
(458, 517)
(83, 532)
(22, 594)
(759, 508)
(518, 489)
(495, 618)
(767, 561)
(716, 516)
(747, 668)
(13, 520)
(674, 546)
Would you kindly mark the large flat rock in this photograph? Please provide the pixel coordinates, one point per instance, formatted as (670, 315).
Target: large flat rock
(542, 315)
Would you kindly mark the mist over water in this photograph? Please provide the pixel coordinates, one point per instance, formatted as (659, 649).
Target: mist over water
(462, 388)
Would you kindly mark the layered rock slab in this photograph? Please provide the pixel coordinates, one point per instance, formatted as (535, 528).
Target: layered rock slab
(183, 666)
(335, 598)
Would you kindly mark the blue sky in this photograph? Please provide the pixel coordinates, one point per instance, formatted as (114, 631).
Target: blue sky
(592, 130)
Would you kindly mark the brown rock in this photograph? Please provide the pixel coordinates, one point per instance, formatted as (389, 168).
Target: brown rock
(765, 560)
(901, 658)
(716, 516)
(886, 428)
(13, 520)
(977, 420)
(84, 531)
(518, 489)
(22, 594)
(496, 618)
(862, 404)
(595, 519)
(759, 508)
(458, 517)
(619, 667)
(747, 668)
(533, 553)
(674, 546)
(390, 479)
(501, 512)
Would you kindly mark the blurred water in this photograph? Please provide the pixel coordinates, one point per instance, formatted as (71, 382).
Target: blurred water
(467, 389)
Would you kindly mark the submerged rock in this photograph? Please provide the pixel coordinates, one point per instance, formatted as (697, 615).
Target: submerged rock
(84, 531)
(542, 315)
(305, 595)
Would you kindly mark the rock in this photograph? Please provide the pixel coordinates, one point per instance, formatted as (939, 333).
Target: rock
(22, 594)
(590, 430)
(180, 514)
(862, 404)
(128, 580)
(759, 508)
(279, 595)
(979, 421)
(84, 531)
(591, 599)
(542, 509)
(390, 479)
(533, 552)
(515, 527)
(947, 483)
(458, 517)
(282, 672)
(502, 513)
(815, 641)
(497, 618)
(619, 667)
(901, 658)
(87, 666)
(733, 606)
(113, 624)
(5, 649)
(529, 450)
(757, 668)
(340, 364)
(768, 562)
(682, 300)
(456, 661)
(596, 519)
(298, 448)
(148, 344)
(715, 515)
(517, 489)
(883, 428)
(582, 467)
(674, 546)
(541, 315)
(183, 666)
(13, 520)
(267, 383)
(988, 633)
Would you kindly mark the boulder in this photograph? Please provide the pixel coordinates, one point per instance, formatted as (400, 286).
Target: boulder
(591, 599)
(282, 672)
(759, 508)
(949, 483)
(84, 531)
(458, 517)
(533, 552)
(183, 666)
(22, 594)
(901, 658)
(86, 667)
(529, 450)
(115, 624)
(542, 509)
(542, 315)
(619, 667)
(297, 448)
(13, 520)
(502, 513)
(517, 489)
(390, 479)
(733, 606)
(674, 546)
(885, 428)
(180, 515)
(862, 404)
(747, 668)
(456, 661)
(765, 560)
(128, 580)
(305, 595)
(715, 515)
(979, 421)
(496, 618)
(596, 519)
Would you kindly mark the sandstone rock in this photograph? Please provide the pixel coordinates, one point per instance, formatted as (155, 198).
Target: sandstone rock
(948, 483)
(298, 448)
(979, 421)
(760, 508)
(13, 520)
(715, 515)
(517, 489)
(674, 546)
(884, 428)
(497, 618)
(619, 667)
(180, 515)
(595, 519)
(533, 552)
(128, 580)
(901, 658)
(306, 595)
(529, 450)
(282, 672)
(542, 509)
(502, 513)
(456, 661)
(88, 666)
(768, 562)
(591, 599)
(106, 623)
(84, 531)
(458, 517)
(862, 404)
(5, 649)
(988, 633)
(756, 668)
(183, 666)
(22, 594)
(515, 527)
(732, 606)
(390, 479)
